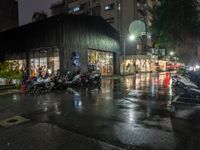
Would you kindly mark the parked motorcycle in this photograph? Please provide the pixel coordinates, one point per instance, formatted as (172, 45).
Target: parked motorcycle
(182, 85)
(95, 79)
(59, 82)
(74, 81)
(85, 79)
(43, 85)
(186, 102)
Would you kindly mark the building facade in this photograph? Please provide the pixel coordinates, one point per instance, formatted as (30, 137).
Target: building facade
(58, 8)
(8, 14)
(120, 14)
(64, 42)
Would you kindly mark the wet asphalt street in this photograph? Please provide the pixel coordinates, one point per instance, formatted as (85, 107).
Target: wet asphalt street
(129, 112)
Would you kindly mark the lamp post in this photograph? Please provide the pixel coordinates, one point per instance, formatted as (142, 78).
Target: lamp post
(131, 38)
(124, 53)
(171, 55)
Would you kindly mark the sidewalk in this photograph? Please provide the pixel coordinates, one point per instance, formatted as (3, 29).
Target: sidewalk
(8, 89)
(3, 87)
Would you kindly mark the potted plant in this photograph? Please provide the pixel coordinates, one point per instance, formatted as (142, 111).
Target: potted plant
(2, 78)
(16, 77)
(9, 74)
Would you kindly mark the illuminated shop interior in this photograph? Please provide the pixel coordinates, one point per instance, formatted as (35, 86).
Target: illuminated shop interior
(48, 59)
(102, 60)
(137, 64)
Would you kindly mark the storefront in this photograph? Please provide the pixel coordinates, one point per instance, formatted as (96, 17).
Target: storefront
(142, 63)
(102, 60)
(18, 64)
(162, 64)
(46, 58)
(64, 42)
(136, 64)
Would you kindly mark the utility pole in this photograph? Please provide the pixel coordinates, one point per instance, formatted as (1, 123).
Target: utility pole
(124, 54)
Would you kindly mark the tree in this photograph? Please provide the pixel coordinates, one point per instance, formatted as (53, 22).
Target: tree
(39, 15)
(176, 25)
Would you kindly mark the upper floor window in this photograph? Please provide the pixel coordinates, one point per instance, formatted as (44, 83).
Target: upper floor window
(109, 7)
(74, 9)
(119, 6)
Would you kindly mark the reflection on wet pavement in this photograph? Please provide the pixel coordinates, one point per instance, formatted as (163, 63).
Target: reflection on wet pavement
(127, 112)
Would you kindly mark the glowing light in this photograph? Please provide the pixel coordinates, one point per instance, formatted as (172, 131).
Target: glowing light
(171, 53)
(76, 9)
(119, 6)
(131, 37)
(197, 66)
(107, 7)
(190, 68)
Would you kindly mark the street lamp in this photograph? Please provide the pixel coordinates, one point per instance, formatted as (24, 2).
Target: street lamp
(171, 53)
(131, 38)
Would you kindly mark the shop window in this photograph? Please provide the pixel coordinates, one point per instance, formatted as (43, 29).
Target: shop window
(102, 60)
(18, 64)
(48, 59)
(130, 66)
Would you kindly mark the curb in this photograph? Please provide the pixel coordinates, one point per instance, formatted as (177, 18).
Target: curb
(5, 87)
(9, 92)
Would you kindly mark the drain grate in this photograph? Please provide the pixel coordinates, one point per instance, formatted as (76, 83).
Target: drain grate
(9, 122)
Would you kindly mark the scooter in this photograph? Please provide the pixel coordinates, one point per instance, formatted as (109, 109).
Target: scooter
(43, 85)
(75, 81)
(95, 79)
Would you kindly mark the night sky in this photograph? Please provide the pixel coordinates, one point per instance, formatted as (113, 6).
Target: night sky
(26, 8)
